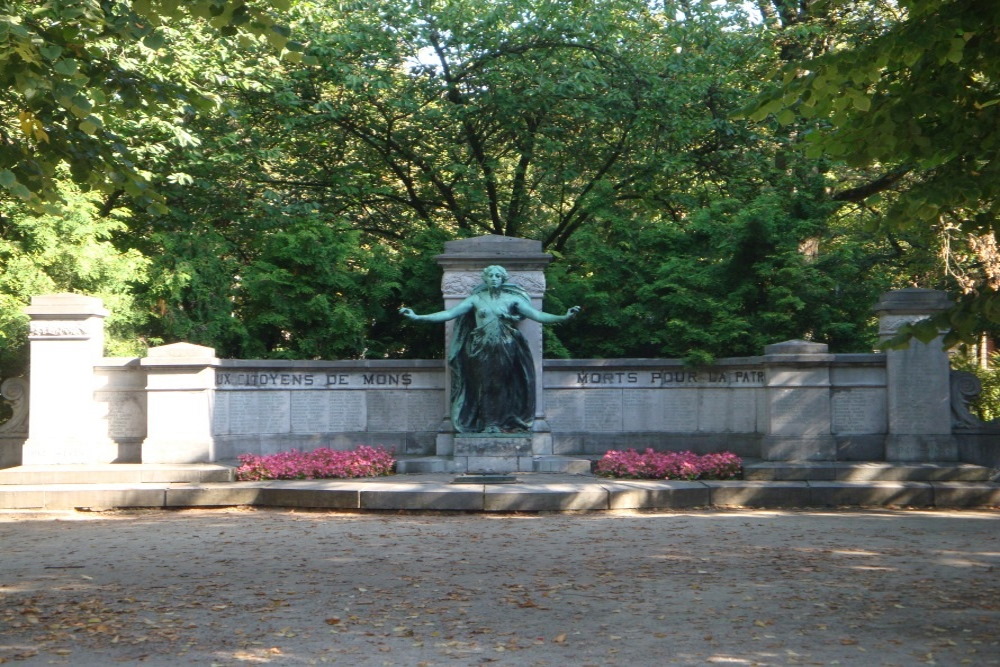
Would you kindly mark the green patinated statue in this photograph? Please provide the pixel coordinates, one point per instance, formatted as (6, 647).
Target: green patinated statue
(492, 372)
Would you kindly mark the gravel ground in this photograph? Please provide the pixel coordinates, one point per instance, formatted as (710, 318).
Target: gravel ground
(247, 586)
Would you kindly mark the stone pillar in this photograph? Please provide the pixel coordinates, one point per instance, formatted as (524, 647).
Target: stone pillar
(463, 262)
(67, 340)
(180, 394)
(918, 386)
(799, 424)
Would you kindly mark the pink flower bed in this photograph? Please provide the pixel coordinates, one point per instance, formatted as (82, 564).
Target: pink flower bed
(320, 463)
(651, 464)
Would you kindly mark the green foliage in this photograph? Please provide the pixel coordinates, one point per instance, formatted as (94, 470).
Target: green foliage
(72, 71)
(987, 405)
(282, 192)
(43, 254)
(726, 283)
(917, 99)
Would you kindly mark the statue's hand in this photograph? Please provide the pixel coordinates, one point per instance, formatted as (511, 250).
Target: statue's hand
(408, 312)
(573, 311)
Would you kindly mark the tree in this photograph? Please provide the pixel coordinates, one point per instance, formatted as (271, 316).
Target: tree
(917, 100)
(71, 71)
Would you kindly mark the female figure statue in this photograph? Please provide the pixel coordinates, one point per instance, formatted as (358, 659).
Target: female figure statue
(492, 372)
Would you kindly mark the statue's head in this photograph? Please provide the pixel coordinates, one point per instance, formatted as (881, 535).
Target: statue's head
(494, 276)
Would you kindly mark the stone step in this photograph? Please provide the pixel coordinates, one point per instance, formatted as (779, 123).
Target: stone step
(865, 471)
(116, 473)
(531, 492)
(448, 464)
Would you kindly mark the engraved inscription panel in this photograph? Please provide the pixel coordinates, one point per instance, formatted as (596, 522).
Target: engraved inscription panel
(220, 414)
(602, 410)
(386, 410)
(714, 409)
(564, 409)
(424, 410)
(347, 411)
(859, 411)
(124, 413)
(680, 410)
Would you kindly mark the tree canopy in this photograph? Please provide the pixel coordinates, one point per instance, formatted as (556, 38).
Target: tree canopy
(274, 179)
(918, 100)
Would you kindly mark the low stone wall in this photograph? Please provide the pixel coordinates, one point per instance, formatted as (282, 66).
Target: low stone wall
(742, 405)
(590, 406)
(181, 404)
(263, 407)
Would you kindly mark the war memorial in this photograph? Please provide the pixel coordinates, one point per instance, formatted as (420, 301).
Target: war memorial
(797, 412)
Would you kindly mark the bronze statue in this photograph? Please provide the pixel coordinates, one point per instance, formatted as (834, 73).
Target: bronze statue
(493, 374)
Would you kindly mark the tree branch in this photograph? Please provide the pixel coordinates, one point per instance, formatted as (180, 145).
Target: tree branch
(880, 184)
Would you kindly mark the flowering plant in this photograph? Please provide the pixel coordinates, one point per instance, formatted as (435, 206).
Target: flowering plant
(320, 463)
(651, 464)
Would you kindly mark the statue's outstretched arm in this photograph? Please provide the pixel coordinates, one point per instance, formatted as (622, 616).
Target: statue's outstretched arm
(532, 313)
(441, 316)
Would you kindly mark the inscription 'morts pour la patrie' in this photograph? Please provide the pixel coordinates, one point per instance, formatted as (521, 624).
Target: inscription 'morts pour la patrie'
(665, 378)
(264, 379)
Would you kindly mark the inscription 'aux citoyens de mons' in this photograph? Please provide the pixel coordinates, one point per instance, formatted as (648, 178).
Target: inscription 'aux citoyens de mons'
(318, 380)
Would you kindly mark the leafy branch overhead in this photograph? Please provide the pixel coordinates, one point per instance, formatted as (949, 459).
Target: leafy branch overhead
(918, 101)
(75, 73)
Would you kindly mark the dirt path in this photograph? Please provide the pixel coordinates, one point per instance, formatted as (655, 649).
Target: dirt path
(246, 586)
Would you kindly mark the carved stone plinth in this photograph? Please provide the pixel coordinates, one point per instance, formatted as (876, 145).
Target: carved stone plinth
(493, 453)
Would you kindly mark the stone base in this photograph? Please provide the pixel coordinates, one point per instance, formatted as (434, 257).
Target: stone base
(798, 448)
(497, 465)
(178, 451)
(493, 452)
(64, 452)
(921, 448)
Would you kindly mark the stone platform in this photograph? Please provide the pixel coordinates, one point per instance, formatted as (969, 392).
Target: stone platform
(768, 485)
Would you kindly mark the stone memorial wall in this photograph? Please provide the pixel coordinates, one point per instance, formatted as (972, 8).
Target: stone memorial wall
(181, 404)
(264, 407)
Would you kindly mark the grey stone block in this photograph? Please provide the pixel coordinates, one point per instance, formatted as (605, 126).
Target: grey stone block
(426, 464)
(22, 499)
(860, 447)
(966, 494)
(71, 496)
(916, 448)
(215, 495)
(912, 472)
(758, 494)
(641, 494)
(345, 498)
(563, 464)
(196, 473)
(873, 493)
(493, 463)
(788, 471)
(544, 498)
(798, 448)
(492, 446)
(421, 497)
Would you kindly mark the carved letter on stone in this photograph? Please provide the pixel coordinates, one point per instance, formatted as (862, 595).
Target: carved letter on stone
(57, 330)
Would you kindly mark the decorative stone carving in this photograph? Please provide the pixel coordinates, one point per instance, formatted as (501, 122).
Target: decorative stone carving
(57, 330)
(462, 284)
(965, 389)
(15, 392)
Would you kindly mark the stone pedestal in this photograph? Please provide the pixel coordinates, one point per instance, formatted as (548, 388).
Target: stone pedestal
(492, 453)
(798, 414)
(917, 381)
(67, 340)
(463, 262)
(180, 390)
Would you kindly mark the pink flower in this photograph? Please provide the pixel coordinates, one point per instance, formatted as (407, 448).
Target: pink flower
(651, 464)
(322, 463)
